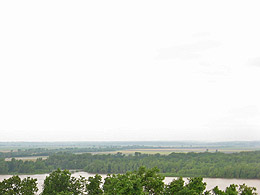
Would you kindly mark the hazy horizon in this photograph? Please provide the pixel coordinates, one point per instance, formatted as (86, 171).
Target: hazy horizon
(129, 71)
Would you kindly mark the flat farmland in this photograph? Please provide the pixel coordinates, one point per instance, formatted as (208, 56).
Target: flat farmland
(166, 151)
(27, 158)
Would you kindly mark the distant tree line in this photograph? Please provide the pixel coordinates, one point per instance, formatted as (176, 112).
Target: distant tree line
(213, 165)
(141, 182)
(48, 151)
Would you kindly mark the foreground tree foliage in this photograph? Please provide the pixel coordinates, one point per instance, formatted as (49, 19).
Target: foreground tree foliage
(93, 185)
(141, 182)
(61, 182)
(15, 186)
(235, 189)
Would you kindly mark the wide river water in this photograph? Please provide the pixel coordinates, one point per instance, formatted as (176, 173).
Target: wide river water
(211, 182)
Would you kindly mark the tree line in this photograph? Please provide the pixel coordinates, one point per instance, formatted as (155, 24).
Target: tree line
(212, 165)
(49, 151)
(141, 182)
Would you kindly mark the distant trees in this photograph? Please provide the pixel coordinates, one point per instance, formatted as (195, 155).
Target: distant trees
(3, 166)
(212, 165)
(216, 165)
(50, 151)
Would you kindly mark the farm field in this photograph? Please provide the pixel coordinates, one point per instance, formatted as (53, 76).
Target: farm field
(166, 151)
(161, 151)
(28, 158)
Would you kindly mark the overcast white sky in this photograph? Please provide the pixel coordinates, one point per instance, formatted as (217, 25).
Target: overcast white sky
(129, 70)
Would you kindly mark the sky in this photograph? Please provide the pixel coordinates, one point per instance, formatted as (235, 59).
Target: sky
(129, 70)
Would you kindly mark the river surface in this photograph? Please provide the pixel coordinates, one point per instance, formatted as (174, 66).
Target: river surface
(211, 182)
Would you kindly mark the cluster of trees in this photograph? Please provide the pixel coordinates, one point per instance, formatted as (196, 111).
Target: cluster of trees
(19, 166)
(141, 182)
(15, 186)
(214, 165)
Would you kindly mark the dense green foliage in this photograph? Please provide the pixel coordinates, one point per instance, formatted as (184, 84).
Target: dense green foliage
(61, 182)
(19, 166)
(93, 186)
(235, 190)
(235, 165)
(141, 182)
(15, 186)
(218, 165)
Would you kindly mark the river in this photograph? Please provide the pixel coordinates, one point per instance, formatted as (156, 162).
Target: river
(211, 182)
